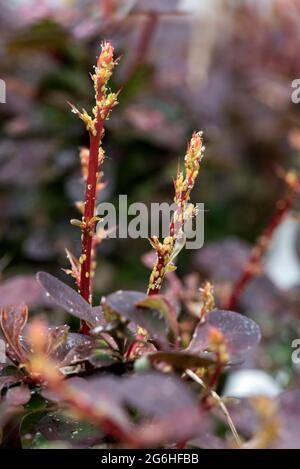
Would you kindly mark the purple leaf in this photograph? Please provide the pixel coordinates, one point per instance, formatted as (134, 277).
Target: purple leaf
(240, 332)
(223, 260)
(150, 393)
(12, 321)
(157, 394)
(102, 394)
(262, 295)
(68, 299)
(125, 304)
(56, 338)
(168, 401)
(78, 348)
(21, 289)
(99, 315)
(163, 305)
(180, 425)
(163, 398)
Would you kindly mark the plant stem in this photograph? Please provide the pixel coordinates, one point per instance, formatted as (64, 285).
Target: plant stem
(104, 102)
(171, 245)
(283, 206)
(88, 231)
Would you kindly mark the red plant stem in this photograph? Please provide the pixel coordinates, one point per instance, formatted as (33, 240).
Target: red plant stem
(104, 103)
(95, 243)
(89, 211)
(283, 206)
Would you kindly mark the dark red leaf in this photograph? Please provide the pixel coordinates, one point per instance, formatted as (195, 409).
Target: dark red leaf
(223, 260)
(98, 313)
(78, 348)
(163, 305)
(13, 321)
(66, 348)
(262, 295)
(124, 304)
(150, 393)
(240, 332)
(56, 338)
(21, 289)
(177, 426)
(163, 398)
(68, 299)
(157, 394)
(101, 394)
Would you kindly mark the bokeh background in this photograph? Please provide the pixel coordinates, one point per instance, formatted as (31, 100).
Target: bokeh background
(225, 67)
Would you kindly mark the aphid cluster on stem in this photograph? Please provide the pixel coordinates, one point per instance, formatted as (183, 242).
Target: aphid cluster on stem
(172, 244)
